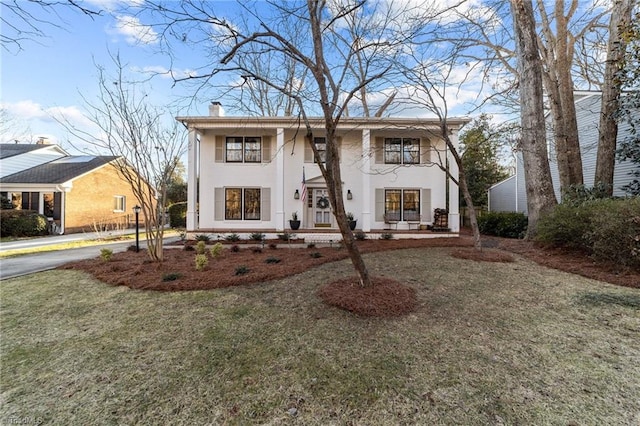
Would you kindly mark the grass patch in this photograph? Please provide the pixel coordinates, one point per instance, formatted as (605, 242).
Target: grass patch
(490, 343)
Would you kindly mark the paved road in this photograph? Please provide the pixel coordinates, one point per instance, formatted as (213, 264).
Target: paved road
(29, 263)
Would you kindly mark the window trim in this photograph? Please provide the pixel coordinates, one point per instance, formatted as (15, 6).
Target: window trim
(119, 201)
(242, 207)
(407, 155)
(402, 211)
(247, 155)
(320, 140)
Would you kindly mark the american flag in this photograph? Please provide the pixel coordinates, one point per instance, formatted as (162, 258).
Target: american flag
(303, 189)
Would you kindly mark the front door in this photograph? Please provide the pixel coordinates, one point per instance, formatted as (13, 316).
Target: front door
(321, 209)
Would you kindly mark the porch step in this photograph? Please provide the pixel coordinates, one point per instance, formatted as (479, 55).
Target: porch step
(322, 238)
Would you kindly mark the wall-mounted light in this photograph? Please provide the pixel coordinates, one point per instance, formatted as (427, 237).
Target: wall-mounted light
(296, 195)
(349, 195)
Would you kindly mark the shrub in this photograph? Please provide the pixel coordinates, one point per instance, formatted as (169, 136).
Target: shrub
(188, 247)
(608, 229)
(235, 248)
(316, 255)
(241, 270)
(311, 245)
(566, 226)
(360, 236)
(203, 237)
(615, 232)
(287, 236)
(171, 276)
(106, 254)
(503, 224)
(256, 250)
(201, 246)
(386, 236)
(22, 223)
(201, 262)
(216, 250)
(272, 260)
(257, 236)
(273, 246)
(232, 238)
(178, 215)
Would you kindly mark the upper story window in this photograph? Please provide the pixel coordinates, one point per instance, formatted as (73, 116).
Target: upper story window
(321, 147)
(401, 150)
(243, 149)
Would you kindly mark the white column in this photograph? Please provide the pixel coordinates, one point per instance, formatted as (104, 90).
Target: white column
(454, 191)
(279, 189)
(193, 159)
(366, 181)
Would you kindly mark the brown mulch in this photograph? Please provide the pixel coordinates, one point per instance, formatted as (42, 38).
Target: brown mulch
(388, 298)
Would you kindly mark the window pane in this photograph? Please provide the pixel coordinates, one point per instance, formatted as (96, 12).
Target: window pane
(252, 204)
(411, 151)
(232, 203)
(252, 150)
(321, 146)
(392, 150)
(234, 150)
(392, 198)
(411, 204)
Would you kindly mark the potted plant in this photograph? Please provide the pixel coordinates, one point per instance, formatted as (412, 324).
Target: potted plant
(294, 223)
(352, 221)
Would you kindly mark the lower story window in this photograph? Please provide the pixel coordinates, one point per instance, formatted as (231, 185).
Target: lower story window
(242, 204)
(119, 203)
(402, 204)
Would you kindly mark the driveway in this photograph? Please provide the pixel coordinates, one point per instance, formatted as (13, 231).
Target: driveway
(29, 263)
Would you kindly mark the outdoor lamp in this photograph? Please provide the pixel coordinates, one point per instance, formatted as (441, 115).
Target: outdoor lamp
(296, 195)
(349, 195)
(136, 210)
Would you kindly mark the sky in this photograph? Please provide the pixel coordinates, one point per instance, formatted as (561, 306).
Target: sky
(53, 76)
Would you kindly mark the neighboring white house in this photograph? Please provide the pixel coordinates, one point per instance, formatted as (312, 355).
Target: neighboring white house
(245, 174)
(510, 194)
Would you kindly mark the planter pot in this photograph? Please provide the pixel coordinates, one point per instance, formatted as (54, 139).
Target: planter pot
(352, 224)
(294, 224)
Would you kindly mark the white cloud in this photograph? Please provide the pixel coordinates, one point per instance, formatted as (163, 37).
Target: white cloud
(163, 72)
(134, 31)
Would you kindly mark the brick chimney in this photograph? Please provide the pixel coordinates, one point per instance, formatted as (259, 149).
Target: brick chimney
(216, 110)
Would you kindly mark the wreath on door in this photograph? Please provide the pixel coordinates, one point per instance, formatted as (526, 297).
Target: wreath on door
(323, 203)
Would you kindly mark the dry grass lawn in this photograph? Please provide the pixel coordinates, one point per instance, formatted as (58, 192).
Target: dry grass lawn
(489, 343)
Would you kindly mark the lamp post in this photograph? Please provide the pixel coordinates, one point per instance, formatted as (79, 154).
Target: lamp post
(136, 210)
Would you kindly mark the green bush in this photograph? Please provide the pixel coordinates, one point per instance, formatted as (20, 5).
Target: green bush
(216, 250)
(503, 224)
(201, 261)
(178, 215)
(201, 246)
(609, 229)
(106, 254)
(232, 238)
(615, 232)
(22, 223)
(566, 226)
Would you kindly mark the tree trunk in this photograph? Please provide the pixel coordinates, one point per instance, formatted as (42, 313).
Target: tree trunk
(611, 89)
(540, 195)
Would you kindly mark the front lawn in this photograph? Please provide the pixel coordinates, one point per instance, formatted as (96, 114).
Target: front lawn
(490, 343)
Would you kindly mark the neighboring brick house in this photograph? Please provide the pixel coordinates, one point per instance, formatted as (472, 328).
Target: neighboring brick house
(78, 193)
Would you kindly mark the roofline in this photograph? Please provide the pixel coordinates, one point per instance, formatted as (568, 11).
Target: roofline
(502, 181)
(211, 122)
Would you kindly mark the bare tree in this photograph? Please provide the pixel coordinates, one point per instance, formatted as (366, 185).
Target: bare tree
(24, 21)
(611, 89)
(328, 56)
(146, 138)
(540, 195)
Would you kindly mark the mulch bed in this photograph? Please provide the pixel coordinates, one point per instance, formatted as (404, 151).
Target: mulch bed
(253, 264)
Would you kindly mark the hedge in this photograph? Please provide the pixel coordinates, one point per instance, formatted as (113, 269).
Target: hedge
(22, 223)
(178, 215)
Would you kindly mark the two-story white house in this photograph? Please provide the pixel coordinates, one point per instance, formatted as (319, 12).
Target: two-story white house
(250, 174)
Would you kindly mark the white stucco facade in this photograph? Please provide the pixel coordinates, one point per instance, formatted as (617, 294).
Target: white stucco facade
(245, 173)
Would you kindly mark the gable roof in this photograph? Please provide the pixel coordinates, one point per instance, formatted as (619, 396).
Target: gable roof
(12, 149)
(60, 170)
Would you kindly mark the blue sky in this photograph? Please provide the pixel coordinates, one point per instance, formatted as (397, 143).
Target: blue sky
(51, 75)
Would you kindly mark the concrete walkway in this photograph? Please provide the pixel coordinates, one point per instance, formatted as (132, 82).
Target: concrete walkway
(30, 263)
